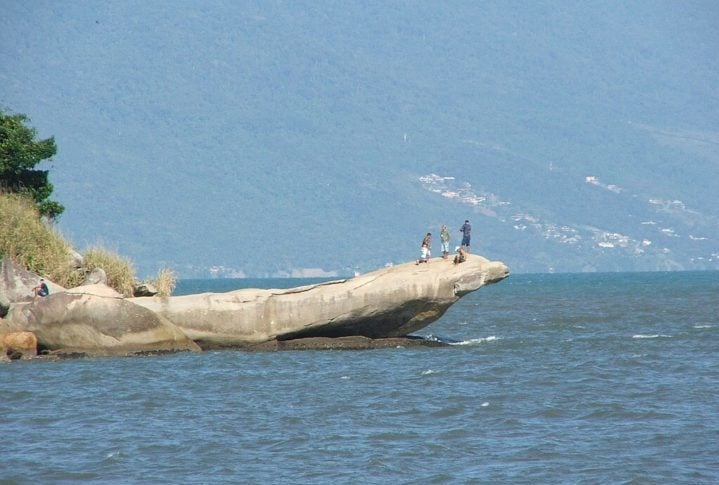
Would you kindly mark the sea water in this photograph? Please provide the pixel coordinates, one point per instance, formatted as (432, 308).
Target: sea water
(577, 378)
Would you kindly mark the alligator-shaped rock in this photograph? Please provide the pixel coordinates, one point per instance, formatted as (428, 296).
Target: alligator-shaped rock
(374, 310)
(390, 302)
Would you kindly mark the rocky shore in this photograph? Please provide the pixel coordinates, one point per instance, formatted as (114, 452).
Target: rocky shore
(374, 310)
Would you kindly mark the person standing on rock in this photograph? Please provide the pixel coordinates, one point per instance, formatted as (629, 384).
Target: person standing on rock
(426, 249)
(466, 230)
(444, 238)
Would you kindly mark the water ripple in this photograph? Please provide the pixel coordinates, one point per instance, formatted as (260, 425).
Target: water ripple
(582, 382)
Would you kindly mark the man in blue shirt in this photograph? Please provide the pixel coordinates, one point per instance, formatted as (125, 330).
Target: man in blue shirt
(466, 229)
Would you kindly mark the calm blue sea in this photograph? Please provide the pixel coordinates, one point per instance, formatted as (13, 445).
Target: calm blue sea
(581, 378)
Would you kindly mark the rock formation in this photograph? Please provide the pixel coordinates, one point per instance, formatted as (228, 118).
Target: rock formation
(390, 302)
(94, 320)
(369, 311)
(95, 277)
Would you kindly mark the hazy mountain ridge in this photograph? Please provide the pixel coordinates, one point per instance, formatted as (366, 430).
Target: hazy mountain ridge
(265, 138)
(644, 237)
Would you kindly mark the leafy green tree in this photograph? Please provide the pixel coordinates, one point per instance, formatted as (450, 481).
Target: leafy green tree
(20, 152)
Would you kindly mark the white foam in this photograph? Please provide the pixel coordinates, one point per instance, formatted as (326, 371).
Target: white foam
(485, 404)
(702, 326)
(428, 372)
(475, 341)
(656, 335)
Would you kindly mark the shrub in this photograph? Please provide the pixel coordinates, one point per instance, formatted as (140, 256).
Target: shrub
(20, 152)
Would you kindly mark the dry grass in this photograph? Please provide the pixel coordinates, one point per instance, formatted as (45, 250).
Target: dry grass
(165, 282)
(38, 247)
(32, 242)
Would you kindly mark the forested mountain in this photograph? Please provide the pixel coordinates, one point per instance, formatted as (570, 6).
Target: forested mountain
(265, 137)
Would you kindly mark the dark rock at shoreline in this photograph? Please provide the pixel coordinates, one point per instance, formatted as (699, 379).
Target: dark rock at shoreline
(337, 343)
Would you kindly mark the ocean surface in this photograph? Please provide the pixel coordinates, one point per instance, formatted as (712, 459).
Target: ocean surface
(570, 378)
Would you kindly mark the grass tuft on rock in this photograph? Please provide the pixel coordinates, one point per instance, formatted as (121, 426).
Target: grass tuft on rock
(119, 270)
(165, 282)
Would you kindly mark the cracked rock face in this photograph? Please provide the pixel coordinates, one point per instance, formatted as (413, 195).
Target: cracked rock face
(390, 302)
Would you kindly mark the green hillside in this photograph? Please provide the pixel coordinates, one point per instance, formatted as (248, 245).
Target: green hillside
(269, 137)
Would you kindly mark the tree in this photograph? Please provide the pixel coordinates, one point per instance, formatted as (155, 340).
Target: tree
(20, 152)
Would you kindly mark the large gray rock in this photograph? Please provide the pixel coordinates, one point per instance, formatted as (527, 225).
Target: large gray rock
(75, 259)
(391, 302)
(94, 320)
(95, 277)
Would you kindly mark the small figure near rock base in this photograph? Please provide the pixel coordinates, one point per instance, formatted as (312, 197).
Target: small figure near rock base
(426, 249)
(41, 289)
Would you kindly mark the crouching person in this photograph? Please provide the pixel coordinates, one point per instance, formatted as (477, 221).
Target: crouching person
(461, 255)
(41, 289)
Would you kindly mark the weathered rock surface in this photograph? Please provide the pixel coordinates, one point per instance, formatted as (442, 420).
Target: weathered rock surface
(390, 302)
(94, 320)
(75, 259)
(95, 277)
(17, 345)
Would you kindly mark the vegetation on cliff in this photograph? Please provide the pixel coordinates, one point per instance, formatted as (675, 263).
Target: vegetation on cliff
(35, 244)
(27, 232)
(32, 243)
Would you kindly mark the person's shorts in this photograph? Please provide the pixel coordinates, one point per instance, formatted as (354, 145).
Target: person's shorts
(425, 252)
(465, 240)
